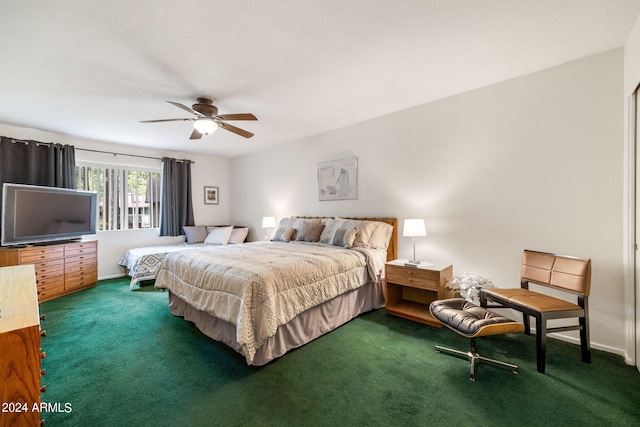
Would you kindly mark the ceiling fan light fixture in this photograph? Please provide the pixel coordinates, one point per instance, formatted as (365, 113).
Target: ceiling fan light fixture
(205, 125)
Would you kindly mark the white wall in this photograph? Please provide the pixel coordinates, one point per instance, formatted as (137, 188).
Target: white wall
(534, 162)
(112, 245)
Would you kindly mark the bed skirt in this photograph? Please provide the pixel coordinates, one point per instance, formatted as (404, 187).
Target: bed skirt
(300, 330)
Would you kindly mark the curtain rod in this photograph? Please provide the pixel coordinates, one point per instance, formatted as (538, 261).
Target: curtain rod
(131, 155)
(49, 144)
(26, 142)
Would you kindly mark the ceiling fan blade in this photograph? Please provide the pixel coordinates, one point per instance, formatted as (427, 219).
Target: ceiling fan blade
(164, 120)
(195, 134)
(184, 107)
(243, 116)
(234, 129)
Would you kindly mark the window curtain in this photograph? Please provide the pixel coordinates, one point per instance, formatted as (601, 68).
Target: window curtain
(37, 163)
(177, 205)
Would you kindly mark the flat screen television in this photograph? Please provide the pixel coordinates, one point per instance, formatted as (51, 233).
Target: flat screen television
(36, 214)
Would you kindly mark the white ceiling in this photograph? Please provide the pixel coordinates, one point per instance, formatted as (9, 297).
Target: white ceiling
(93, 69)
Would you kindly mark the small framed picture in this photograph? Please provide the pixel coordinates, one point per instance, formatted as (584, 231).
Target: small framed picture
(211, 196)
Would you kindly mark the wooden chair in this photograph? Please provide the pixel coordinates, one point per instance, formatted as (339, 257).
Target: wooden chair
(569, 274)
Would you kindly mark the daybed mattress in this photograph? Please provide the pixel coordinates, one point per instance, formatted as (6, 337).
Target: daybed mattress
(143, 263)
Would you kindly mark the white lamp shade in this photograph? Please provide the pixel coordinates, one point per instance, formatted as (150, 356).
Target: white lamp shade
(205, 125)
(414, 228)
(268, 222)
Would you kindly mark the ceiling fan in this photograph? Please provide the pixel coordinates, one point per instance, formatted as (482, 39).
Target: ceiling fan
(207, 120)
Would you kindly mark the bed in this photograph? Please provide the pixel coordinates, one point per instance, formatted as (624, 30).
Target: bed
(142, 263)
(265, 298)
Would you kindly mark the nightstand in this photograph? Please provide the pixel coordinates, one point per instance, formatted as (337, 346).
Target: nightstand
(410, 290)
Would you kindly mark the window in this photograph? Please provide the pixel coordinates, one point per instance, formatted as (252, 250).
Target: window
(127, 198)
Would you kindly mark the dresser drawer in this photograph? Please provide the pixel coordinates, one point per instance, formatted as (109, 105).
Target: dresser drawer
(50, 289)
(50, 267)
(75, 249)
(414, 277)
(41, 253)
(50, 275)
(81, 279)
(79, 263)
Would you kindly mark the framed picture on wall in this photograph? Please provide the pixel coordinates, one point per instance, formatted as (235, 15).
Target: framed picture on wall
(338, 179)
(211, 196)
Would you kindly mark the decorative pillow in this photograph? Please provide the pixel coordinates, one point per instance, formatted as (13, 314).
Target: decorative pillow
(219, 236)
(344, 237)
(285, 223)
(330, 227)
(239, 235)
(371, 234)
(338, 237)
(382, 236)
(195, 233)
(349, 237)
(283, 234)
(309, 232)
(365, 231)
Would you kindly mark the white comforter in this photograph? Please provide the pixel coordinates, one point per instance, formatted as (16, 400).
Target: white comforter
(261, 285)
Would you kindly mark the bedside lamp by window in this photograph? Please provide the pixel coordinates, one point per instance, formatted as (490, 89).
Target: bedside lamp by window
(414, 228)
(268, 222)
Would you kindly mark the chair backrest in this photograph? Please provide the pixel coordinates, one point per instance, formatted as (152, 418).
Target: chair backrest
(558, 271)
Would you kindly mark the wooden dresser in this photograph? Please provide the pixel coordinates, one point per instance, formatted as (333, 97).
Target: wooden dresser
(20, 359)
(60, 268)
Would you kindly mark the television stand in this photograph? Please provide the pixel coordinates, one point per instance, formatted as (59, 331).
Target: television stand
(56, 242)
(61, 267)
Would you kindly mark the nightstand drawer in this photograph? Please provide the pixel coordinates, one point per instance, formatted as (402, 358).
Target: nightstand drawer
(412, 276)
(410, 290)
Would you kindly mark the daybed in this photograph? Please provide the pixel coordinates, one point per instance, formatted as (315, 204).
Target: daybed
(143, 263)
(266, 298)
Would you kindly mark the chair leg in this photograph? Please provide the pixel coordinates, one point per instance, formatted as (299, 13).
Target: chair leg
(585, 344)
(526, 321)
(474, 358)
(541, 342)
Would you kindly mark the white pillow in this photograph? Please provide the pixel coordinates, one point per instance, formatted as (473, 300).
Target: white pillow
(371, 234)
(219, 236)
(239, 235)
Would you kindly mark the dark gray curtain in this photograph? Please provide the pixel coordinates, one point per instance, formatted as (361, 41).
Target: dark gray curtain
(177, 205)
(37, 163)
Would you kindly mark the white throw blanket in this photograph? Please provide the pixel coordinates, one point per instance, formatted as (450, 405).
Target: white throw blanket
(261, 285)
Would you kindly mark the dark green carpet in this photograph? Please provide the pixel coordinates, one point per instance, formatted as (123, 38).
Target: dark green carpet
(119, 358)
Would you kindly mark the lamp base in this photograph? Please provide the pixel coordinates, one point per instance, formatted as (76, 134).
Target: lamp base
(417, 263)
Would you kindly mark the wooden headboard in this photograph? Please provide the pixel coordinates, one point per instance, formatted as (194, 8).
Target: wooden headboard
(392, 250)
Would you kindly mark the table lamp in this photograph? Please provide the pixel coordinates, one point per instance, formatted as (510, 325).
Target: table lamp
(414, 228)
